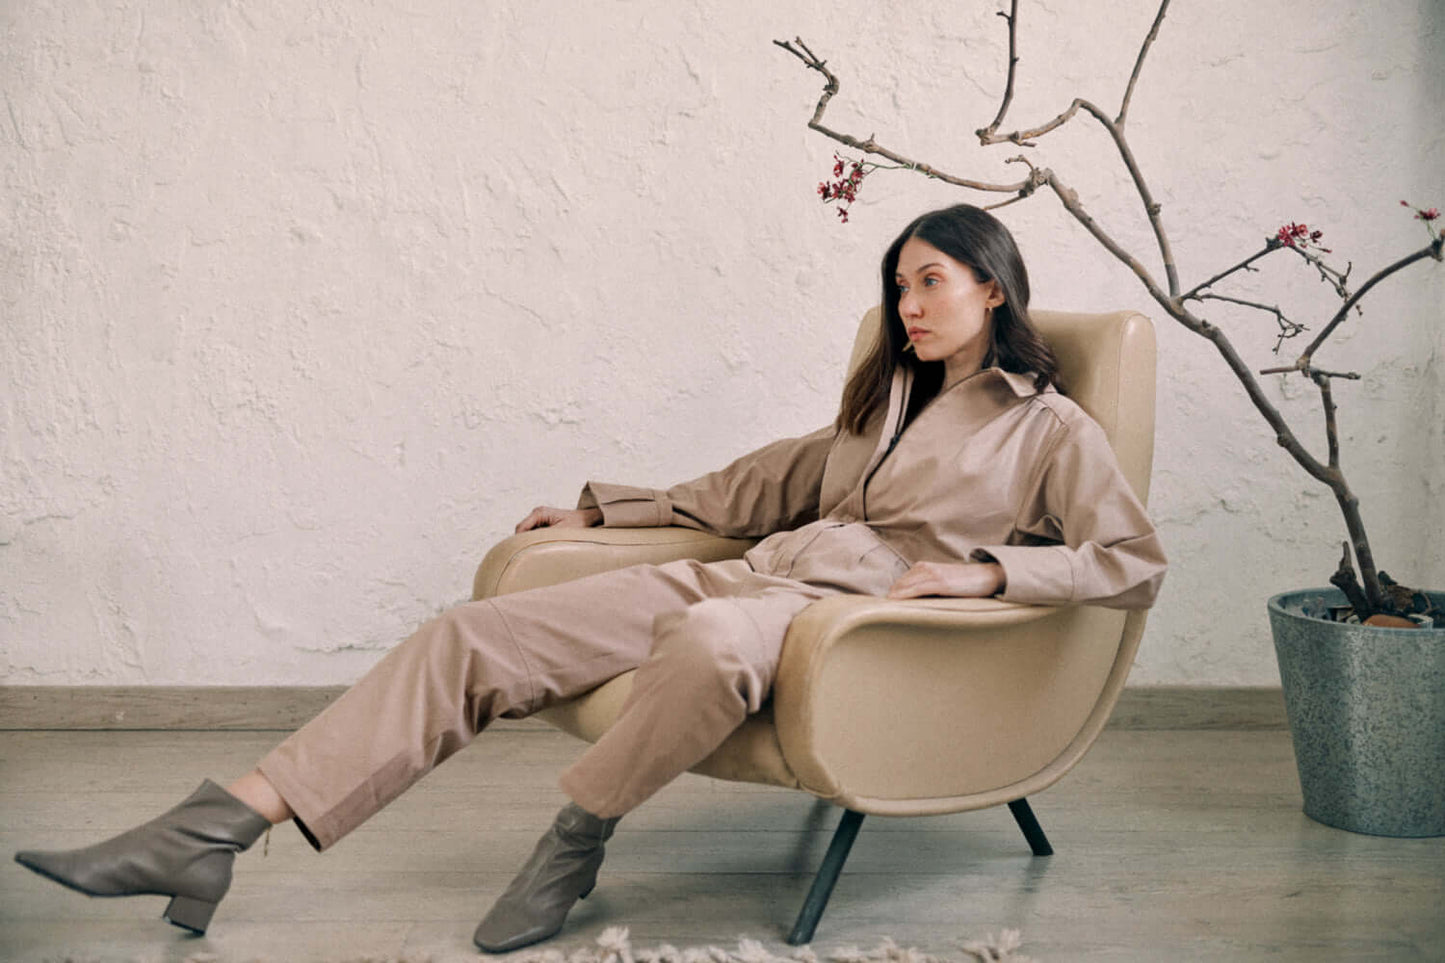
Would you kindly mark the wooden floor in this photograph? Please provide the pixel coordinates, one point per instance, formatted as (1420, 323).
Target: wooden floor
(1177, 845)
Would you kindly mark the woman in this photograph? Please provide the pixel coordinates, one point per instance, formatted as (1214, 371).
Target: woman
(954, 468)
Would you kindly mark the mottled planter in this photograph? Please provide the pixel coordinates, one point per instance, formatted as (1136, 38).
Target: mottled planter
(1366, 710)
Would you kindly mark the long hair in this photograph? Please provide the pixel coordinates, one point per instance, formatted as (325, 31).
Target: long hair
(975, 238)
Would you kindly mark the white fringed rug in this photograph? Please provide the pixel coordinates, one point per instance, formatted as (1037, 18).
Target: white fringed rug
(615, 946)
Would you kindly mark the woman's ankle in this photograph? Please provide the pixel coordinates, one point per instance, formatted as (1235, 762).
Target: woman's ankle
(256, 791)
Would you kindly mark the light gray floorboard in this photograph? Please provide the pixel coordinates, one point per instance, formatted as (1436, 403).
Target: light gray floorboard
(1170, 845)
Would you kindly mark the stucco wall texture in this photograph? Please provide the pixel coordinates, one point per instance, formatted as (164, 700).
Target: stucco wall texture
(306, 304)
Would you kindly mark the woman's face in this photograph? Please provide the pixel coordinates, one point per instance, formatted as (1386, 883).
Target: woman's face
(944, 308)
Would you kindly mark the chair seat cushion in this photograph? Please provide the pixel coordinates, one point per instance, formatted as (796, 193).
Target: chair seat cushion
(750, 754)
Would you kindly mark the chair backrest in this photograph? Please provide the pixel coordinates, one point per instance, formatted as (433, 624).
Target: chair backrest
(1106, 362)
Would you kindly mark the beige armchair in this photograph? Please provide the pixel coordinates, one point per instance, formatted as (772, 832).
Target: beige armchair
(906, 708)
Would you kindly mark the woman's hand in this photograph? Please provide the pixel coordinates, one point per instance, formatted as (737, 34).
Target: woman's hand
(954, 579)
(545, 517)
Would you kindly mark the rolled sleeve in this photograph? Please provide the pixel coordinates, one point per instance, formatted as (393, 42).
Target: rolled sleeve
(1083, 536)
(1039, 575)
(627, 506)
(772, 489)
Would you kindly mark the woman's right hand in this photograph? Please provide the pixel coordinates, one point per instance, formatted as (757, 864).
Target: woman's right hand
(544, 517)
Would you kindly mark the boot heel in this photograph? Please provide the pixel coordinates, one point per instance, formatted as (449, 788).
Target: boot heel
(191, 914)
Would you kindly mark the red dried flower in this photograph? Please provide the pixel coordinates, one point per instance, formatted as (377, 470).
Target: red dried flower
(1299, 236)
(1428, 215)
(844, 191)
(1291, 233)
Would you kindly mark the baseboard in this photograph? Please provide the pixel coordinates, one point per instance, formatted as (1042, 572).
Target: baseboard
(284, 708)
(1200, 707)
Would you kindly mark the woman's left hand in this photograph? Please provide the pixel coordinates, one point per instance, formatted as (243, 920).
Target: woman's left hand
(954, 579)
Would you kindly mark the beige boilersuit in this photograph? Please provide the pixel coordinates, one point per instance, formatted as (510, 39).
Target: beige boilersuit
(991, 469)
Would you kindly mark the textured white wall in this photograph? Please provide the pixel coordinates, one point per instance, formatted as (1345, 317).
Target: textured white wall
(304, 304)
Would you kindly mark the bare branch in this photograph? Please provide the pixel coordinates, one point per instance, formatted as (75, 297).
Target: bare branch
(1070, 199)
(1350, 507)
(1175, 308)
(1138, 64)
(1270, 245)
(1332, 433)
(1012, 200)
(1283, 434)
(1013, 58)
(1430, 250)
(1310, 372)
(988, 135)
(870, 146)
(830, 86)
(1151, 207)
(1287, 328)
(1024, 138)
(1334, 278)
(1344, 580)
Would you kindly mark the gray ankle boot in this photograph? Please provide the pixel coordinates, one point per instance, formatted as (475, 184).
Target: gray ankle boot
(185, 854)
(562, 869)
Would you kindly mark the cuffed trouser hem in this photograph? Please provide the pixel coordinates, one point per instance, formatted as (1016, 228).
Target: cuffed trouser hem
(306, 812)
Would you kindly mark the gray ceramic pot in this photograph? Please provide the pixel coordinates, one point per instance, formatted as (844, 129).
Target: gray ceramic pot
(1367, 714)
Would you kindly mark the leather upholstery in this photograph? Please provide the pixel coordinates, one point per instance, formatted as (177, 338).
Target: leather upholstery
(908, 707)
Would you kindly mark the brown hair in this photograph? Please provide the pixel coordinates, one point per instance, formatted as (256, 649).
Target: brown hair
(974, 237)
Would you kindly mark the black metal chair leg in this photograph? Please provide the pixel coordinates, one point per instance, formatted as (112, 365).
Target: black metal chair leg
(1033, 832)
(817, 900)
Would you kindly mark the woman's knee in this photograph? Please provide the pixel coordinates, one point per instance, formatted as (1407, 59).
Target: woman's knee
(456, 637)
(714, 644)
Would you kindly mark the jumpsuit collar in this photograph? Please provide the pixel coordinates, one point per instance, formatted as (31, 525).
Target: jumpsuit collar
(988, 380)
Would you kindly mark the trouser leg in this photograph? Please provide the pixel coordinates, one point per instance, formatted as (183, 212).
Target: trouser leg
(710, 666)
(508, 656)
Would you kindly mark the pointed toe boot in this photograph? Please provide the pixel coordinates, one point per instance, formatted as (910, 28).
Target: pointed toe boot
(562, 869)
(185, 854)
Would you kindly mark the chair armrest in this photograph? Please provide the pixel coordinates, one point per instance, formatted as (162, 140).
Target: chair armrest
(546, 556)
(939, 705)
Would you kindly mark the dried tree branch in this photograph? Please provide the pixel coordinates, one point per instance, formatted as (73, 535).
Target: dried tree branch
(1070, 199)
(1332, 432)
(1284, 435)
(1026, 138)
(1013, 58)
(1374, 595)
(1269, 246)
(1432, 250)
(1139, 63)
(989, 135)
(1344, 580)
(1311, 372)
(1287, 328)
(1151, 206)
(871, 146)
(1339, 280)
(1012, 200)
(1369, 575)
